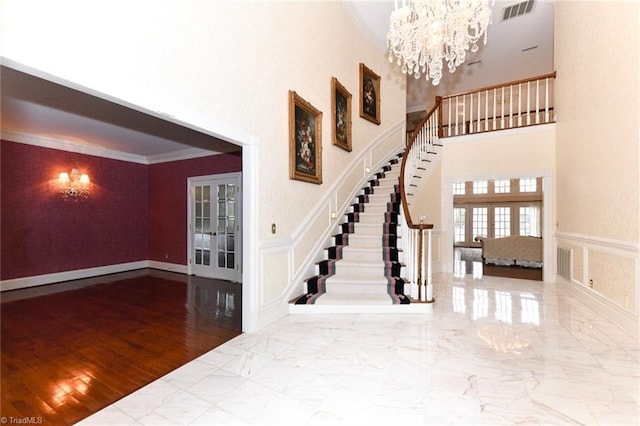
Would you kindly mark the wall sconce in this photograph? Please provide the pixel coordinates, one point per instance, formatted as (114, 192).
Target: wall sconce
(75, 186)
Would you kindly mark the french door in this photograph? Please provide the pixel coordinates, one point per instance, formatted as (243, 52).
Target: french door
(215, 227)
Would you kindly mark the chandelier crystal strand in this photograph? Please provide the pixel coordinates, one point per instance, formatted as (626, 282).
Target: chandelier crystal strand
(423, 34)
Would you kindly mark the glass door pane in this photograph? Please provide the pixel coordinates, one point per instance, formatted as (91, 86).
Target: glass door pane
(202, 225)
(459, 225)
(501, 222)
(480, 221)
(226, 201)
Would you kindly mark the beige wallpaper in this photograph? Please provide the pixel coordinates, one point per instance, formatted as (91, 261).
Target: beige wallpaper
(598, 141)
(598, 109)
(613, 276)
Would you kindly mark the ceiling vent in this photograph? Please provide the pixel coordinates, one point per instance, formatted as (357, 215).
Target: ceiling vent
(518, 9)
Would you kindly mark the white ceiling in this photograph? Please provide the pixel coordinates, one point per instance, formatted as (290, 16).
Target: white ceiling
(73, 119)
(516, 48)
(37, 106)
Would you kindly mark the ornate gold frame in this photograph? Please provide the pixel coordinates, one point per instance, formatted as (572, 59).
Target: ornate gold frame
(341, 115)
(369, 94)
(305, 140)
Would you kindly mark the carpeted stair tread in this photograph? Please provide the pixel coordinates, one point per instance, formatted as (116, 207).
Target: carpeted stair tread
(368, 279)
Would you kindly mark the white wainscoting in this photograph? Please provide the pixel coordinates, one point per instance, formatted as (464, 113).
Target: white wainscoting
(619, 314)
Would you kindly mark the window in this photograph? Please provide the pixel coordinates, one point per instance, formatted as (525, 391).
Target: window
(480, 222)
(501, 222)
(460, 221)
(529, 221)
(502, 186)
(496, 209)
(458, 188)
(528, 185)
(480, 187)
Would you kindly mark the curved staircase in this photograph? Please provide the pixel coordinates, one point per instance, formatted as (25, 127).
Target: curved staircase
(362, 272)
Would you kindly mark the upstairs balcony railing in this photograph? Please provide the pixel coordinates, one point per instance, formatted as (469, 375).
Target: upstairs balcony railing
(515, 104)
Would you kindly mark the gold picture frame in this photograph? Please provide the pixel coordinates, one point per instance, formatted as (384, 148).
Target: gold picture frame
(305, 140)
(341, 115)
(369, 94)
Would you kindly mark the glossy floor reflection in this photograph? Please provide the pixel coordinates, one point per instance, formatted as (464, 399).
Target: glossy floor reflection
(495, 351)
(71, 349)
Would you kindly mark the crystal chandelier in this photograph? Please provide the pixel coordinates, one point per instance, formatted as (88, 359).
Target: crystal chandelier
(425, 33)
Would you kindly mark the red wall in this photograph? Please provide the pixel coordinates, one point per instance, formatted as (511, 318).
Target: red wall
(168, 202)
(135, 212)
(41, 233)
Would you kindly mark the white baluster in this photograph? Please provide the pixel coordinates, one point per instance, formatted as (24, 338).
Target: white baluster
(486, 111)
(449, 118)
(537, 101)
(479, 127)
(495, 115)
(519, 104)
(546, 101)
(510, 107)
(528, 103)
(503, 102)
(471, 113)
(429, 292)
(423, 293)
(457, 106)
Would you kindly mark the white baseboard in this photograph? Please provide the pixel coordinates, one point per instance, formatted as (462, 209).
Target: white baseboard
(623, 319)
(37, 280)
(413, 308)
(270, 312)
(171, 267)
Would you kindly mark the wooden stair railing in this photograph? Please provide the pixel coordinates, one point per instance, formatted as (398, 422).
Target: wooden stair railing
(519, 103)
(418, 248)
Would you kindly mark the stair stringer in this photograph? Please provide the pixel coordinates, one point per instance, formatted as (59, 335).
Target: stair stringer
(420, 175)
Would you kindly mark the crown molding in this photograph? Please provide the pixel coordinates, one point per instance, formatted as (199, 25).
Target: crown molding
(80, 148)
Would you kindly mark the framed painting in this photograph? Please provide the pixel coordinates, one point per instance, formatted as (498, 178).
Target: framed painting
(369, 94)
(341, 115)
(305, 140)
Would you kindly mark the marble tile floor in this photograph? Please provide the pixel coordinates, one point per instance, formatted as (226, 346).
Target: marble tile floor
(494, 351)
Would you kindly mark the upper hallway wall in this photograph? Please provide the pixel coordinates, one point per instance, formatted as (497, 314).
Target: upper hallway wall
(524, 152)
(598, 118)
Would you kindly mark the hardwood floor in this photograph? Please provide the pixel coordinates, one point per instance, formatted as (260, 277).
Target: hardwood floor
(71, 349)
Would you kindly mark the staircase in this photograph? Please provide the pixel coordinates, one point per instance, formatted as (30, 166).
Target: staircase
(362, 271)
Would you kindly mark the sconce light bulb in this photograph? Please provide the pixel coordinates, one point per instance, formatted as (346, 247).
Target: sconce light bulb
(63, 178)
(84, 179)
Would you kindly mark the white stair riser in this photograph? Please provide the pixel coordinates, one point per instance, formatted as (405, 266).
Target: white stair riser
(367, 218)
(363, 255)
(336, 288)
(369, 230)
(376, 208)
(361, 241)
(360, 270)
